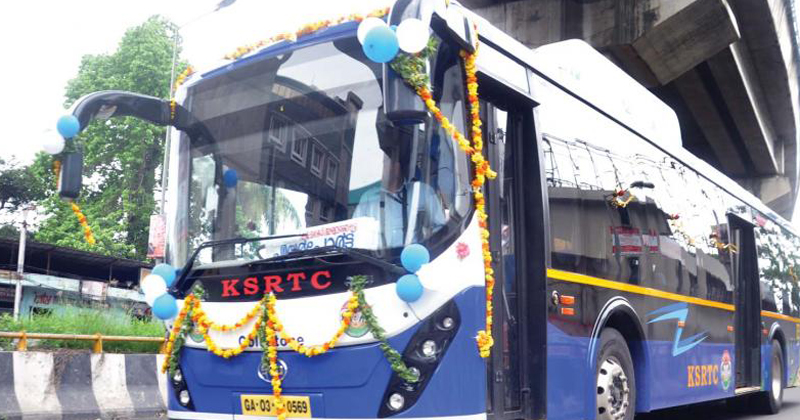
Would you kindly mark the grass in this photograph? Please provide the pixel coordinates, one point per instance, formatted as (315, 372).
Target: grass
(81, 320)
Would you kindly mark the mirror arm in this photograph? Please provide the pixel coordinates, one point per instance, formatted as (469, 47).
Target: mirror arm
(116, 103)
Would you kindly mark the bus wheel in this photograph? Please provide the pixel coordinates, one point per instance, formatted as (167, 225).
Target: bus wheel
(769, 402)
(616, 385)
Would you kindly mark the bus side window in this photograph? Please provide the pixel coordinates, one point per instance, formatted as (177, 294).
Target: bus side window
(719, 279)
(769, 264)
(579, 216)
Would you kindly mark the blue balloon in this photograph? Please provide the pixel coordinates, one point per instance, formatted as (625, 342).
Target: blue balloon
(166, 271)
(230, 177)
(68, 126)
(414, 256)
(165, 307)
(409, 288)
(380, 44)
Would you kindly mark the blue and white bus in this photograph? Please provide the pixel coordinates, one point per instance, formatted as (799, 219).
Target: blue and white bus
(630, 276)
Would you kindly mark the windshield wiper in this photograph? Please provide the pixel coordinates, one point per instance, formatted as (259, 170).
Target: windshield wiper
(211, 244)
(334, 250)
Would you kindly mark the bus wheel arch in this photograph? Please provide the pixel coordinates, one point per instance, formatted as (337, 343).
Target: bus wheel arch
(776, 334)
(620, 315)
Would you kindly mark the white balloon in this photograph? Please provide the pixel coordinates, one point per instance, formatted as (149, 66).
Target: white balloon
(366, 25)
(412, 35)
(153, 285)
(52, 143)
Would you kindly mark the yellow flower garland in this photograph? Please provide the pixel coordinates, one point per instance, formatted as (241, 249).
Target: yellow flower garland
(204, 324)
(57, 170)
(87, 230)
(176, 328)
(272, 355)
(304, 30)
(482, 172)
(352, 305)
(178, 82)
(200, 316)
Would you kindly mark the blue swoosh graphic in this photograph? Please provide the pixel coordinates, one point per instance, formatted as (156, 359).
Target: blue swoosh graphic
(679, 312)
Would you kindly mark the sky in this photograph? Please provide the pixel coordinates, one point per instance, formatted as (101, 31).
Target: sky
(43, 41)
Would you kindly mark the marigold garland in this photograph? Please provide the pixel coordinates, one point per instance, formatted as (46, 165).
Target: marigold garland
(177, 336)
(203, 319)
(482, 172)
(87, 230)
(178, 82)
(304, 30)
(57, 170)
(272, 356)
(352, 306)
(411, 68)
(617, 201)
(204, 324)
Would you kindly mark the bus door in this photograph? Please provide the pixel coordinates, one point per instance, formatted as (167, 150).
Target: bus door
(516, 375)
(748, 304)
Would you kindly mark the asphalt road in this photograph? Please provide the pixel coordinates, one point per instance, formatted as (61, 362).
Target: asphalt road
(719, 411)
(715, 411)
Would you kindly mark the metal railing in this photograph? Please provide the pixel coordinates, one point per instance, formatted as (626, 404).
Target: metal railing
(97, 347)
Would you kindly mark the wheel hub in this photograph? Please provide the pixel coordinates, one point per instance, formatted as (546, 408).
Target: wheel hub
(777, 372)
(613, 392)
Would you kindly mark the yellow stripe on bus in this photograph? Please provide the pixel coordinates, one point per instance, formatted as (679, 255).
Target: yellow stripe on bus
(625, 287)
(780, 316)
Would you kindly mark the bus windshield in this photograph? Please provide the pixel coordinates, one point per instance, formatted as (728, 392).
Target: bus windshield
(299, 144)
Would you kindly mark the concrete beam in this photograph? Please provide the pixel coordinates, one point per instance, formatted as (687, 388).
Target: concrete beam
(705, 112)
(741, 91)
(687, 38)
(766, 28)
(777, 192)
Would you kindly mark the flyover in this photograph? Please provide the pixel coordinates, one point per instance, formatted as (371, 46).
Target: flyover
(729, 69)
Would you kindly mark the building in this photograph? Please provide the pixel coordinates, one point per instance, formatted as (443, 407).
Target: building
(56, 276)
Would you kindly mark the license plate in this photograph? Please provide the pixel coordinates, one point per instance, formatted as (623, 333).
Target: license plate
(264, 405)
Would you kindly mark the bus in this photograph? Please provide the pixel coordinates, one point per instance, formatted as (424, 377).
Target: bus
(313, 193)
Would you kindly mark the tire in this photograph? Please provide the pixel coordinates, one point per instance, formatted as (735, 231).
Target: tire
(616, 383)
(769, 402)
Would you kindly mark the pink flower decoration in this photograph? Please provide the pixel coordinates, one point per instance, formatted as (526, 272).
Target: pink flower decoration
(462, 251)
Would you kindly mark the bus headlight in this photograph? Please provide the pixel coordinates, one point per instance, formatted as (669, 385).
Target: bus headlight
(396, 402)
(422, 355)
(181, 389)
(177, 378)
(447, 323)
(184, 398)
(428, 348)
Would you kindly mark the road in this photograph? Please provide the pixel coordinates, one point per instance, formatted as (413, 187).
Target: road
(718, 411)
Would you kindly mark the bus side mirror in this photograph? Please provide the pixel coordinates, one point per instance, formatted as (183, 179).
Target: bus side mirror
(401, 103)
(71, 176)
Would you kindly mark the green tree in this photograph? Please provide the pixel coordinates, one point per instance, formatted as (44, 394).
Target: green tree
(122, 155)
(18, 186)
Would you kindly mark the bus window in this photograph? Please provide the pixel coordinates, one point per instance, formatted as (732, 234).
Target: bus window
(580, 221)
(776, 264)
